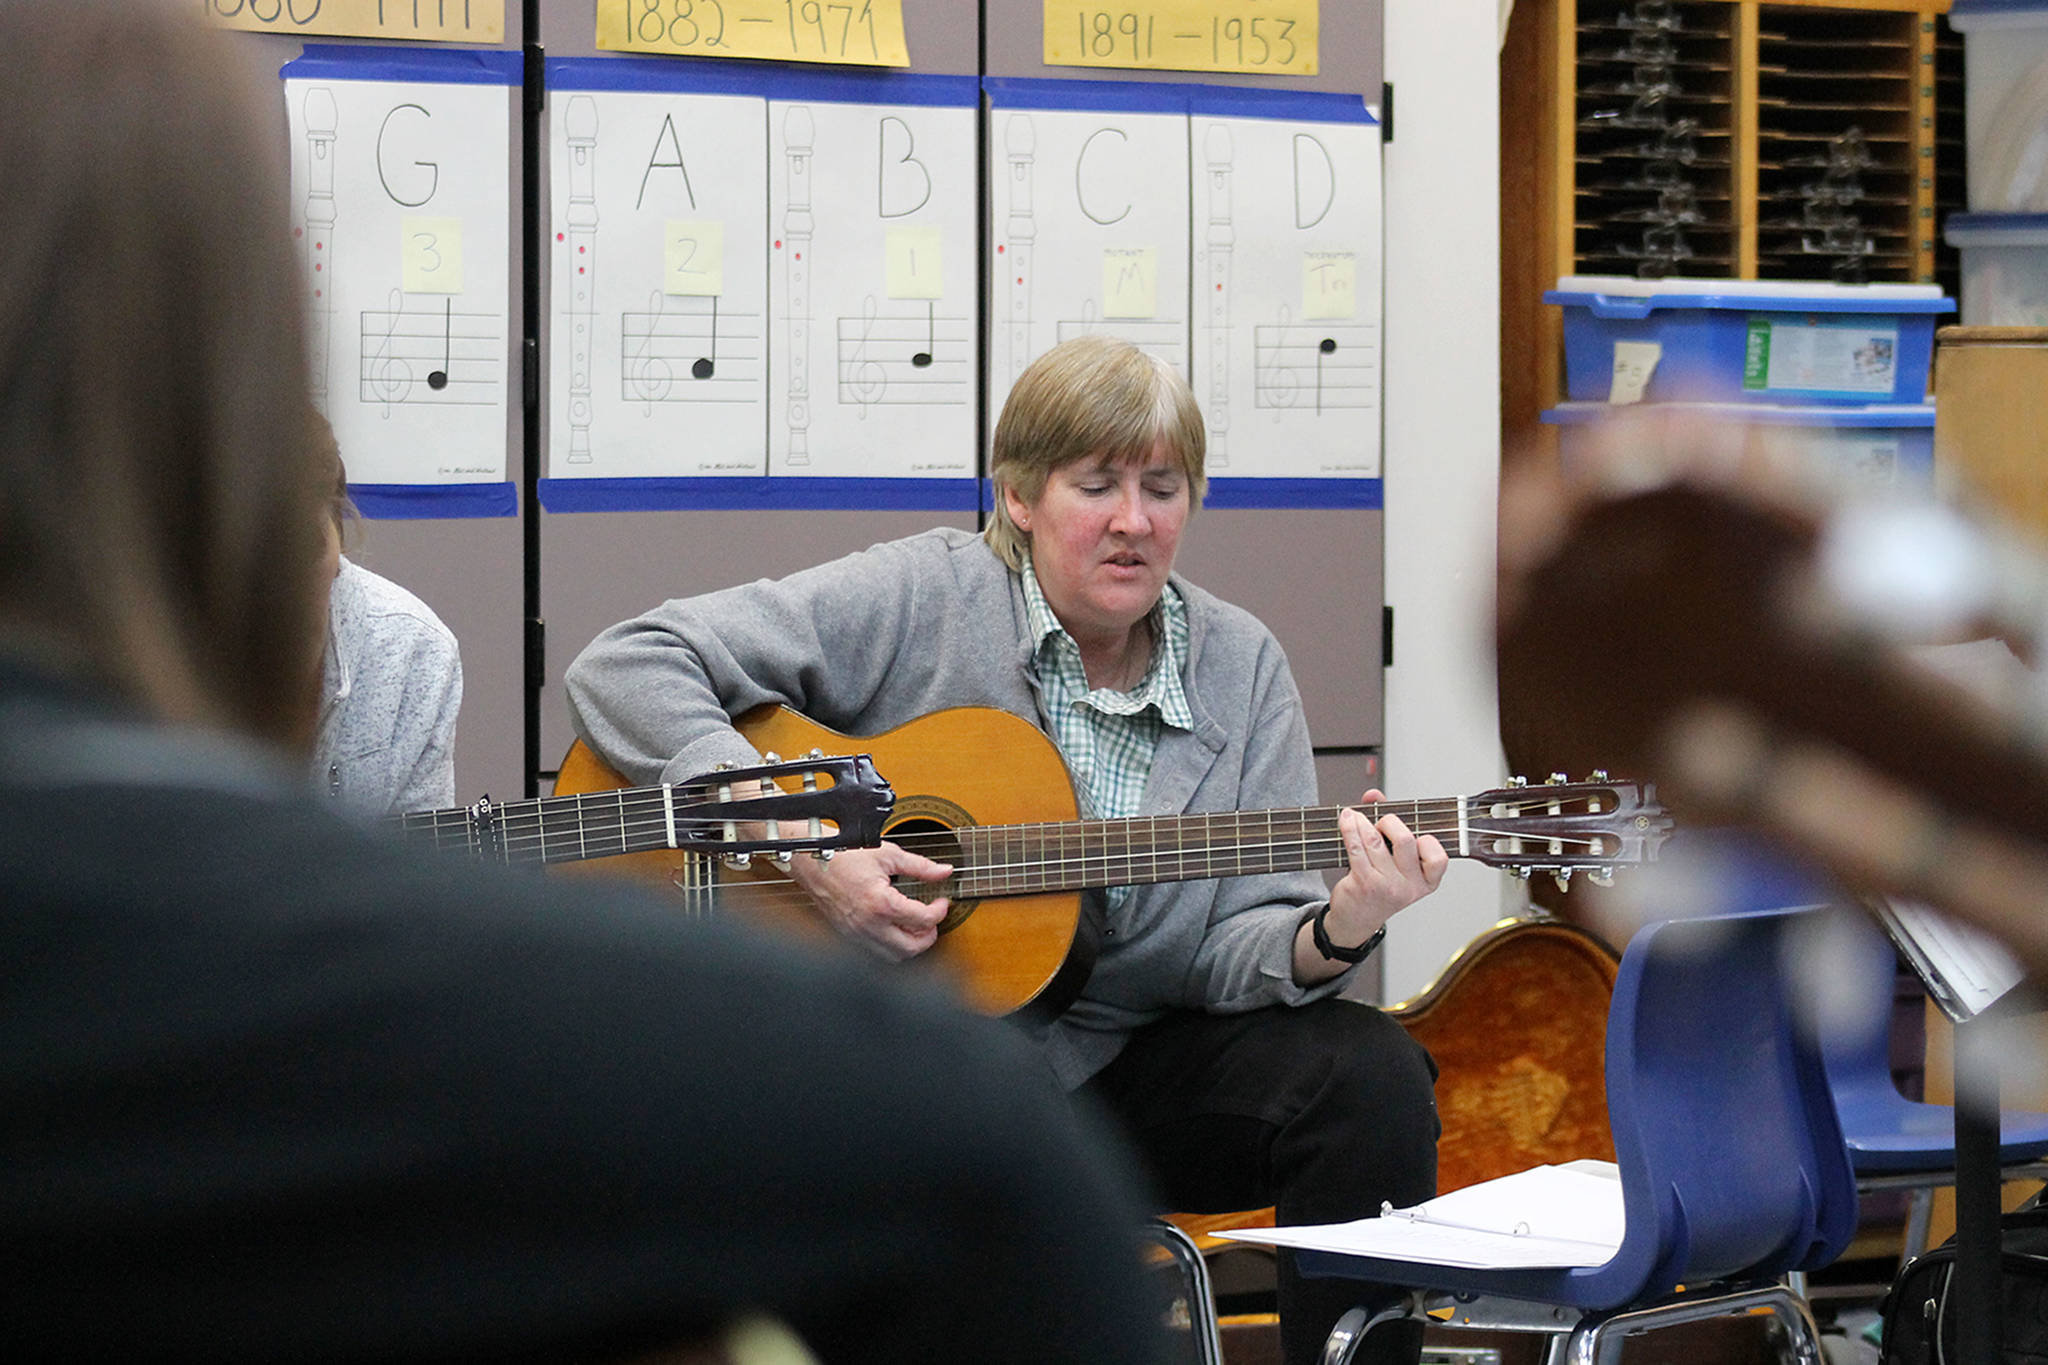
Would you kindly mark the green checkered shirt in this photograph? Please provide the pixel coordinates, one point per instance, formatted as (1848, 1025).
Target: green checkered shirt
(1108, 737)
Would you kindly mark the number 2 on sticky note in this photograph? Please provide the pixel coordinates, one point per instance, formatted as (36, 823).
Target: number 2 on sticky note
(693, 256)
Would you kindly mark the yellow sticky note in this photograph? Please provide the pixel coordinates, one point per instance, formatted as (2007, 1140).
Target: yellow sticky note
(1268, 37)
(472, 21)
(845, 32)
(913, 263)
(1130, 282)
(431, 255)
(693, 256)
(1634, 363)
(1329, 284)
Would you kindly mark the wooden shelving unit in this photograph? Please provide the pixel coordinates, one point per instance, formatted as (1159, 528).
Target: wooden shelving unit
(1745, 139)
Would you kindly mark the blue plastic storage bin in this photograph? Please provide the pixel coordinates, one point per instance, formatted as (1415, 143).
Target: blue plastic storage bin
(1747, 341)
(1888, 445)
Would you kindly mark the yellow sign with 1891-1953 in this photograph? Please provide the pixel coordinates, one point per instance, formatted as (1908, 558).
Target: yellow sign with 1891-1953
(1268, 37)
(441, 21)
(843, 32)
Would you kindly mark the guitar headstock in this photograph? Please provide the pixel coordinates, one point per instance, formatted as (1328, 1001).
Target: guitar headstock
(837, 802)
(1563, 827)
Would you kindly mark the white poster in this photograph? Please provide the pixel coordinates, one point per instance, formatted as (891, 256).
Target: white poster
(1090, 233)
(658, 352)
(1287, 355)
(401, 210)
(873, 288)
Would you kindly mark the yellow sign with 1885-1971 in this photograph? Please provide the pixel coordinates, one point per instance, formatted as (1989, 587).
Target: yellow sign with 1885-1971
(1266, 37)
(842, 32)
(436, 21)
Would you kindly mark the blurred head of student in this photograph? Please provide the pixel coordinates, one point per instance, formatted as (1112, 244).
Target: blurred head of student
(156, 535)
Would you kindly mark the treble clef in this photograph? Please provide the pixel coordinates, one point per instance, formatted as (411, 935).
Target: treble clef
(866, 377)
(649, 375)
(390, 375)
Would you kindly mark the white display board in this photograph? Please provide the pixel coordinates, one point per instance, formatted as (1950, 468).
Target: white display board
(658, 345)
(1089, 224)
(401, 210)
(759, 274)
(1233, 233)
(1286, 336)
(873, 288)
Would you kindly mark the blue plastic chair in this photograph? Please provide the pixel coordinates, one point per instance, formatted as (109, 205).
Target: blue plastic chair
(1732, 1164)
(1897, 1143)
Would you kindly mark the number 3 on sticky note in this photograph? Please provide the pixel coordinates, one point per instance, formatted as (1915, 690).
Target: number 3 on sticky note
(430, 254)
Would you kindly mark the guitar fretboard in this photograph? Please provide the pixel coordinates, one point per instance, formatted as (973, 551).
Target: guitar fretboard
(1020, 860)
(554, 829)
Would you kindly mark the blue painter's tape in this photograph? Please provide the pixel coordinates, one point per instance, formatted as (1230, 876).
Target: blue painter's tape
(426, 501)
(698, 76)
(432, 66)
(1304, 106)
(1366, 494)
(759, 493)
(1353, 493)
(1033, 92)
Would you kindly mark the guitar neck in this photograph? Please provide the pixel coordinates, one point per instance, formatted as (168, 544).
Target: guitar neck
(550, 829)
(1021, 860)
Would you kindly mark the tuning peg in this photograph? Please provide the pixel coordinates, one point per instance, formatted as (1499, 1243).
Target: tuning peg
(724, 765)
(824, 855)
(739, 862)
(771, 757)
(1563, 877)
(780, 858)
(814, 755)
(1518, 782)
(1556, 779)
(1525, 872)
(1598, 775)
(1601, 876)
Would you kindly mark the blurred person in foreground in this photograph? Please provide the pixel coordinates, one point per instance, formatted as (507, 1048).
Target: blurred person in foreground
(1843, 667)
(275, 1089)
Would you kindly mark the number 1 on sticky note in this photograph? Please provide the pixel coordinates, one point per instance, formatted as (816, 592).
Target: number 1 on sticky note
(913, 263)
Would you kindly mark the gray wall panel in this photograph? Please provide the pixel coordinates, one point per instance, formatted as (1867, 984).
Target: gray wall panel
(1314, 576)
(600, 568)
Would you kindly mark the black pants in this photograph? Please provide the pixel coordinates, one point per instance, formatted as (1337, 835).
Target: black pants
(1325, 1111)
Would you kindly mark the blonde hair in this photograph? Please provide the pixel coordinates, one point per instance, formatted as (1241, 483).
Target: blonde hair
(1094, 397)
(160, 524)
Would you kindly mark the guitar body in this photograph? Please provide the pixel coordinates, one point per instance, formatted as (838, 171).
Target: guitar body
(955, 768)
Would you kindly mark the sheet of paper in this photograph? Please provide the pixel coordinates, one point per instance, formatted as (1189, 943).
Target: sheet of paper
(872, 288)
(658, 337)
(401, 211)
(1090, 232)
(1287, 356)
(1568, 1215)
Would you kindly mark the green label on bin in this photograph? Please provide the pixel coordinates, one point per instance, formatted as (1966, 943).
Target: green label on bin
(1756, 356)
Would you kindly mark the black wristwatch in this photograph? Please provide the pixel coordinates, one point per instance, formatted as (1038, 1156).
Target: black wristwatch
(1331, 951)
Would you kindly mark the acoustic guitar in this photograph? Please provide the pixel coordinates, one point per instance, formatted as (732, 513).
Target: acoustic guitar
(988, 792)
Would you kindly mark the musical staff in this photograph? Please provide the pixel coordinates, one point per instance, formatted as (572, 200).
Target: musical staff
(905, 357)
(1163, 338)
(1315, 367)
(688, 349)
(423, 355)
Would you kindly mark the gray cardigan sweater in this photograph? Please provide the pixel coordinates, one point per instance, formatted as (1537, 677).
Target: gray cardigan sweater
(880, 638)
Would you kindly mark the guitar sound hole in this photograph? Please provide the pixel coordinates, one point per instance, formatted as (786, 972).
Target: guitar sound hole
(936, 841)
